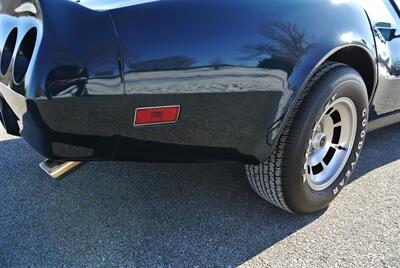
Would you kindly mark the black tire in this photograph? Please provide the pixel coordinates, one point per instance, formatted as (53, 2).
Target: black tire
(280, 180)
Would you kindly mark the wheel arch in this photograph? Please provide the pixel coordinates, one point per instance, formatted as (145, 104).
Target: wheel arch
(359, 58)
(348, 54)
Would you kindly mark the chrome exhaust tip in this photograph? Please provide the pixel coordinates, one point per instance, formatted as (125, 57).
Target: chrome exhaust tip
(58, 169)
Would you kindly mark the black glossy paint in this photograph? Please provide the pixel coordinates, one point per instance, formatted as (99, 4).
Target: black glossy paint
(235, 67)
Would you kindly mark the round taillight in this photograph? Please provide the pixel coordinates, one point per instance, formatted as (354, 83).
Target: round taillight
(24, 55)
(8, 50)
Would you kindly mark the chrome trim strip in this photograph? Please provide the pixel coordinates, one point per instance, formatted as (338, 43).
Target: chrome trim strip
(384, 122)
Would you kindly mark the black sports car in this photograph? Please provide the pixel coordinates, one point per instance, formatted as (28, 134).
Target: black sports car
(287, 87)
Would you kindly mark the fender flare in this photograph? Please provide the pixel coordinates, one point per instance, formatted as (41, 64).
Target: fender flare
(292, 103)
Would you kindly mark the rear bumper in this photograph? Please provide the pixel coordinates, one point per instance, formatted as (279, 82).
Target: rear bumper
(65, 129)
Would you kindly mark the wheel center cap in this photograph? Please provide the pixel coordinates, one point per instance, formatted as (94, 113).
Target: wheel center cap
(319, 140)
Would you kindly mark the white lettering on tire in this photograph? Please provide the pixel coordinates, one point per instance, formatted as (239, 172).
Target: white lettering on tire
(353, 164)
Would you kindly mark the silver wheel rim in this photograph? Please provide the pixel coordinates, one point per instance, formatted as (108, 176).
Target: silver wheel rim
(331, 144)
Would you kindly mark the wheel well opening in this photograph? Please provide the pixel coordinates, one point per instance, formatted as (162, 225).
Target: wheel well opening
(359, 59)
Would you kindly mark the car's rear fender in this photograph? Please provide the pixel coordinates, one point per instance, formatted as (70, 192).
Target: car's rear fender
(222, 45)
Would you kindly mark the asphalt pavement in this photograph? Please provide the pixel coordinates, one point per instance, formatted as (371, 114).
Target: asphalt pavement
(191, 215)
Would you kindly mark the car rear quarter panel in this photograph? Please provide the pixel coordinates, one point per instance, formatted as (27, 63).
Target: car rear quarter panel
(240, 66)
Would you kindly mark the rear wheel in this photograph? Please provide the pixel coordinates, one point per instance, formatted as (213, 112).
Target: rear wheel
(320, 144)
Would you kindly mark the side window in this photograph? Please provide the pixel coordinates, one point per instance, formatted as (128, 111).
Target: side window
(382, 15)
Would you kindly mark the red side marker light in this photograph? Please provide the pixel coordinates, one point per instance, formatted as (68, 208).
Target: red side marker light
(147, 116)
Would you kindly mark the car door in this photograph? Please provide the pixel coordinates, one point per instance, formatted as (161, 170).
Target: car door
(386, 22)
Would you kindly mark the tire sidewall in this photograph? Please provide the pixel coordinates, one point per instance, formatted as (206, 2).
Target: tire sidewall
(342, 82)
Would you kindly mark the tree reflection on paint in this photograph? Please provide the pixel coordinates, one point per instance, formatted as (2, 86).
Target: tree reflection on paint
(286, 43)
